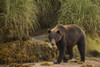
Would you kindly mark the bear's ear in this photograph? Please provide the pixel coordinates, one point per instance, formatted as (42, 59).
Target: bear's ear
(49, 31)
(58, 31)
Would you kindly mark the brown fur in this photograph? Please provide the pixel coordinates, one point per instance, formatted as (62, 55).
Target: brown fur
(65, 37)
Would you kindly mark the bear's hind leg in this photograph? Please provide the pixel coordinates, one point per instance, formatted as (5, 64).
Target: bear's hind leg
(70, 52)
(81, 47)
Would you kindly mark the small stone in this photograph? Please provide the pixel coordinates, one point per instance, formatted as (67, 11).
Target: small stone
(80, 62)
(87, 65)
(46, 64)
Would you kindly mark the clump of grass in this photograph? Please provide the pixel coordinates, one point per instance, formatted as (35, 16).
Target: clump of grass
(47, 13)
(17, 19)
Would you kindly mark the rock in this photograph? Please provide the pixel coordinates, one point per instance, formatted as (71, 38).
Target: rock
(46, 64)
(87, 65)
(26, 51)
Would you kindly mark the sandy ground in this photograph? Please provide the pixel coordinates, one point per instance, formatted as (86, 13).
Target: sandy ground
(40, 37)
(71, 64)
(93, 62)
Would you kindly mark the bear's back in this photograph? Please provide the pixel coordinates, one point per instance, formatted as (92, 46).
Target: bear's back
(74, 32)
(69, 29)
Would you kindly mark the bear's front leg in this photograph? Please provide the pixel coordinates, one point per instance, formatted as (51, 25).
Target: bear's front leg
(65, 59)
(61, 55)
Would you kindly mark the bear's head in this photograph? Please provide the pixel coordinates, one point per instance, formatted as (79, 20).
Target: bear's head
(54, 36)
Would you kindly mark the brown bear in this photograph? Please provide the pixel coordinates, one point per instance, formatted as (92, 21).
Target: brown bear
(66, 37)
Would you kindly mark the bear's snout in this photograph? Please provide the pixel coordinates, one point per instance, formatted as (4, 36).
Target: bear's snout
(53, 42)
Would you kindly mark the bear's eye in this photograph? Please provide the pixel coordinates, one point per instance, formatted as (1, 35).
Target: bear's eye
(58, 31)
(49, 31)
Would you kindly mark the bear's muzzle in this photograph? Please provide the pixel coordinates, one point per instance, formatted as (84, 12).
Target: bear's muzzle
(53, 42)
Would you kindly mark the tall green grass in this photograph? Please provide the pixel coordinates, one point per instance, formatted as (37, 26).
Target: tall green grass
(81, 12)
(17, 19)
(20, 18)
(85, 13)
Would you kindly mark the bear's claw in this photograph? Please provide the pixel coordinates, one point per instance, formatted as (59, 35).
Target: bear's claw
(56, 62)
(65, 60)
